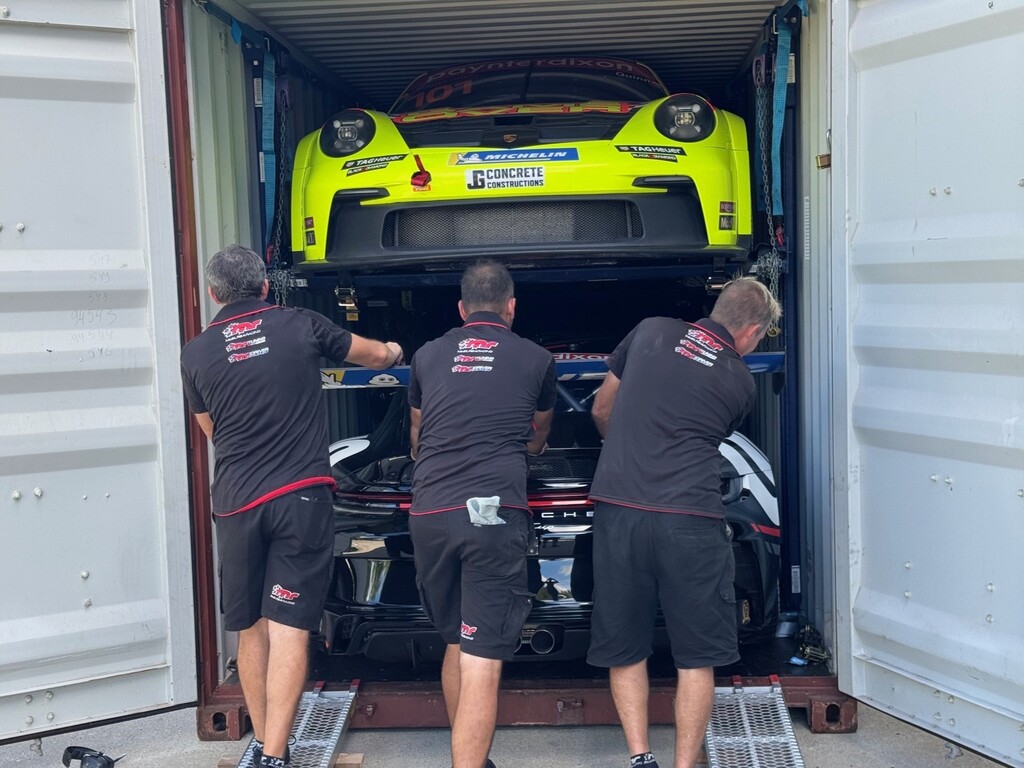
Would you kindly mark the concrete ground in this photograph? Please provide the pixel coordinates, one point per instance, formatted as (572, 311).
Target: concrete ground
(169, 740)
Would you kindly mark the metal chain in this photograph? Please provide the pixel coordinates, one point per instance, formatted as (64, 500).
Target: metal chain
(280, 278)
(768, 262)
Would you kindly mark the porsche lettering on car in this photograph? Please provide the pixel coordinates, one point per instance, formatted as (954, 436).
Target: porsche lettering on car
(552, 157)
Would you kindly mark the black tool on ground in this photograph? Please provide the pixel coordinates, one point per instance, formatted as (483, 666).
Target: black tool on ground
(88, 758)
(812, 645)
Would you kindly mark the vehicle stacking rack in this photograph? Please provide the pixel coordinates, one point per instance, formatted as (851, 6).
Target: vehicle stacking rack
(750, 727)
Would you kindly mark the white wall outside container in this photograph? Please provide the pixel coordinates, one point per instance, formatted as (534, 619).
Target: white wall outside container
(96, 613)
(928, 212)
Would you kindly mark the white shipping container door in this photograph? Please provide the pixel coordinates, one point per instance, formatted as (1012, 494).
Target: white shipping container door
(96, 610)
(928, 302)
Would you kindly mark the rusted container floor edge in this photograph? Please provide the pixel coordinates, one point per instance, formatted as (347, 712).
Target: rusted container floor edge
(420, 704)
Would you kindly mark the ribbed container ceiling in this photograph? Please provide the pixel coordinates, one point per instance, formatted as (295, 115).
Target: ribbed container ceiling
(377, 47)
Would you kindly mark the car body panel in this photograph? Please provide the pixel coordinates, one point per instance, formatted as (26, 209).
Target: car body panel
(556, 158)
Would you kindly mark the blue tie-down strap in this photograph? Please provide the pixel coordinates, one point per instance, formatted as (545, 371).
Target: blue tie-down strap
(569, 367)
(269, 153)
(785, 41)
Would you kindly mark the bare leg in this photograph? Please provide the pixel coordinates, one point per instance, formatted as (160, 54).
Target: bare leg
(477, 713)
(695, 694)
(450, 681)
(631, 690)
(253, 652)
(286, 679)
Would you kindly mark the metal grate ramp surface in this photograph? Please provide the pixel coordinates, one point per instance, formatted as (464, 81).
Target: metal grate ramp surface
(751, 728)
(320, 725)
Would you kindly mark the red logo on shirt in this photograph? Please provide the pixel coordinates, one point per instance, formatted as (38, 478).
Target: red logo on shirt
(283, 595)
(470, 344)
(704, 340)
(232, 346)
(237, 329)
(238, 357)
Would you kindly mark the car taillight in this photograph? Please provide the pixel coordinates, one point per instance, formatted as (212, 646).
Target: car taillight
(346, 133)
(732, 489)
(685, 117)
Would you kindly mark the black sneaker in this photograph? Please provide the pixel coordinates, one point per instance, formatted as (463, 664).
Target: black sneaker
(273, 762)
(489, 764)
(257, 752)
(643, 760)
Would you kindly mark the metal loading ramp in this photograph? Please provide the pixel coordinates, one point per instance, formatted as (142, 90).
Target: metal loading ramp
(320, 725)
(751, 728)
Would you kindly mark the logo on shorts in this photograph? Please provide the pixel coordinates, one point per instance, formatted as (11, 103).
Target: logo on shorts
(467, 631)
(283, 595)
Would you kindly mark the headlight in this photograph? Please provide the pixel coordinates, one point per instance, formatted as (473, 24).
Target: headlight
(346, 133)
(685, 117)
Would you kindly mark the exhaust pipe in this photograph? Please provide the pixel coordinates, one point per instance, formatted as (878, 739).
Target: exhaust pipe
(544, 640)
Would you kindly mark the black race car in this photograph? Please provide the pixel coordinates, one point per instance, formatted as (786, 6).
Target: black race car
(373, 607)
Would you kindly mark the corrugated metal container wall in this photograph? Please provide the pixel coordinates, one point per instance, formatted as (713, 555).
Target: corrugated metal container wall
(224, 159)
(96, 615)
(378, 46)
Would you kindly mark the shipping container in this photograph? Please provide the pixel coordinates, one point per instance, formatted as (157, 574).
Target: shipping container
(137, 138)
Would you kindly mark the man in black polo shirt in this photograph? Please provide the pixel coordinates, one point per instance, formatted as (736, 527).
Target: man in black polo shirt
(252, 378)
(674, 391)
(481, 399)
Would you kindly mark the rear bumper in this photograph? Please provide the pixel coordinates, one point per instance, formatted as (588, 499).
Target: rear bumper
(666, 225)
(391, 639)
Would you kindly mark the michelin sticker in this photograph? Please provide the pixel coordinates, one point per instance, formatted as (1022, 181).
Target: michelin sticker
(649, 152)
(520, 177)
(558, 154)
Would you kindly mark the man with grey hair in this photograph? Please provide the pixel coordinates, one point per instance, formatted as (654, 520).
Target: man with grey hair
(252, 379)
(674, 391)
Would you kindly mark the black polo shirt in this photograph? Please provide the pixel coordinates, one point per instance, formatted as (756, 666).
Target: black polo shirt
(683, 390)
(256, 371)
(478, 387)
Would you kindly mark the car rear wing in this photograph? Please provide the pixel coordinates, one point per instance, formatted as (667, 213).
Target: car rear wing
(570, 366)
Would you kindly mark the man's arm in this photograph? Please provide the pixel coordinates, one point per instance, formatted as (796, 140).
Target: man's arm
(541, 428)
(604, 401)
(415, 415)
(373, 354)
(206, 424)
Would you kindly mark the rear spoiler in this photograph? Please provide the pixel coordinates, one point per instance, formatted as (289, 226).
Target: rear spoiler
(571, 366)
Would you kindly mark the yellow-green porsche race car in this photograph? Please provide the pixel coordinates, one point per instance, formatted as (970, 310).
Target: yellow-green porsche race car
(561, 158)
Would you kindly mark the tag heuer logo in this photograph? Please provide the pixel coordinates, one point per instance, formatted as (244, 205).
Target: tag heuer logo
(510, 138)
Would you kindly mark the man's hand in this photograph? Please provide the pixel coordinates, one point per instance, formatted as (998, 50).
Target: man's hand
(541, 427)
(396, 350)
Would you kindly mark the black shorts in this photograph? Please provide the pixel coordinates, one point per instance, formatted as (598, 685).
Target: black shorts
(683, 561)
(275, 560)
(472, 579)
